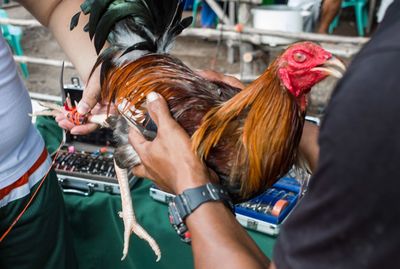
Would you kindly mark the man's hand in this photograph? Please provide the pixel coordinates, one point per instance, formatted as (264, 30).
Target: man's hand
(88, 104)
(87, 128)
(91, 94)
(215, 76)
(168, 159)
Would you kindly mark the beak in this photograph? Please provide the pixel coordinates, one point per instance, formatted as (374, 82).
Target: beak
(333, 67)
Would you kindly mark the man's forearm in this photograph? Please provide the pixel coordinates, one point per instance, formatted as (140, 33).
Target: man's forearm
(220, 242)
(56, 15)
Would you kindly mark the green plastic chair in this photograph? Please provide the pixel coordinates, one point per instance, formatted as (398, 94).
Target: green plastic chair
(360, 10)
(13, 36)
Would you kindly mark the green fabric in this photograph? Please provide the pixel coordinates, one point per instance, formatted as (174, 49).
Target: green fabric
(41, 238)
(50, 132)
(97, 230)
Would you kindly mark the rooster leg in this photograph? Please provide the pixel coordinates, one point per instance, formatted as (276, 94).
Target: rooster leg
(128, 216)
(51, 106)
(54, 110)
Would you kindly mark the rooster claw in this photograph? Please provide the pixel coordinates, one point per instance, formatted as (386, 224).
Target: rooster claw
(130, 227)
(128, 216)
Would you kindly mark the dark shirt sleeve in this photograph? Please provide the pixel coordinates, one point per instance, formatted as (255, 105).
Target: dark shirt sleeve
(350, 216)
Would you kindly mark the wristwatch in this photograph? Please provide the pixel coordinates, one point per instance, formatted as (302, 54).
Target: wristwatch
(184, 204)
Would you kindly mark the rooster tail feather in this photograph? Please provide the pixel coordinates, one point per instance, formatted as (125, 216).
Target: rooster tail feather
(97, 10)
(87, 5)
(174, 24)
(156, 22)
(139, 46)
(104, 59)
(175, 31)
(74, 21)
(108, 20)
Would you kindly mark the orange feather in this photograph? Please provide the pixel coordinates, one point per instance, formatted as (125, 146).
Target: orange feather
(250, 138)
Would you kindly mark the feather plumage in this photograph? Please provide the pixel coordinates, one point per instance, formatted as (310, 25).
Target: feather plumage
(248, 137)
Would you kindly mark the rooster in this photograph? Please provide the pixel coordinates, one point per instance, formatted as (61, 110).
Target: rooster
(249, 136)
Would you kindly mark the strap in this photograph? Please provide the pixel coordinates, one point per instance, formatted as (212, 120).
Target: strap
(191, 199)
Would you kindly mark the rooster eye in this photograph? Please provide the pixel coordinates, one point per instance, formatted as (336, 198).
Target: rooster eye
(299, 57)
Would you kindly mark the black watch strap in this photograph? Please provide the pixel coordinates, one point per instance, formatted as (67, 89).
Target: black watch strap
(191, 199)
(184, 204)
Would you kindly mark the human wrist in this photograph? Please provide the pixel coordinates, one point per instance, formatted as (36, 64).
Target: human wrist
(193, 176)
(187, 202)
(191, 181)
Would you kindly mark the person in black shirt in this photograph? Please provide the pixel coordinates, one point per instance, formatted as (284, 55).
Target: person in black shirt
(349, 217)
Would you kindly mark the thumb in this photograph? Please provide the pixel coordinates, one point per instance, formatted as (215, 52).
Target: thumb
(91, 94)
(158, 109)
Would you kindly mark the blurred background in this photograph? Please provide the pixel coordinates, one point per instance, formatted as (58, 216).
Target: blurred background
(224, 37)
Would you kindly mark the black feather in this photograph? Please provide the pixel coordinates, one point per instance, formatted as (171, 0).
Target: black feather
(109, 19)
(175, 17)
(155, 22)
(105, 59)
(86, 6)
(140, 46)
(184, 24)
(130, 26)
(178, 29)
(150, 8)
(98, 9)
(86, 27)
(74, 21)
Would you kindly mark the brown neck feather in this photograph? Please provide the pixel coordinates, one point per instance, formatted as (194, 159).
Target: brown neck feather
(269, 133)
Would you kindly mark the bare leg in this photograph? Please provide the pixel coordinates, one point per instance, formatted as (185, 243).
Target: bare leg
(128, 216)
(330, 8)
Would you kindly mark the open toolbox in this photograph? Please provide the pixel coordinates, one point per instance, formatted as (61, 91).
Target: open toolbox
(83, 168)
(264, 213)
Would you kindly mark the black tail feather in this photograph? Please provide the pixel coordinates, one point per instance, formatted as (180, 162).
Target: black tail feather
(74, 21)
(158, 22)
(140, 46)
(97, 11)
(109, 19)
